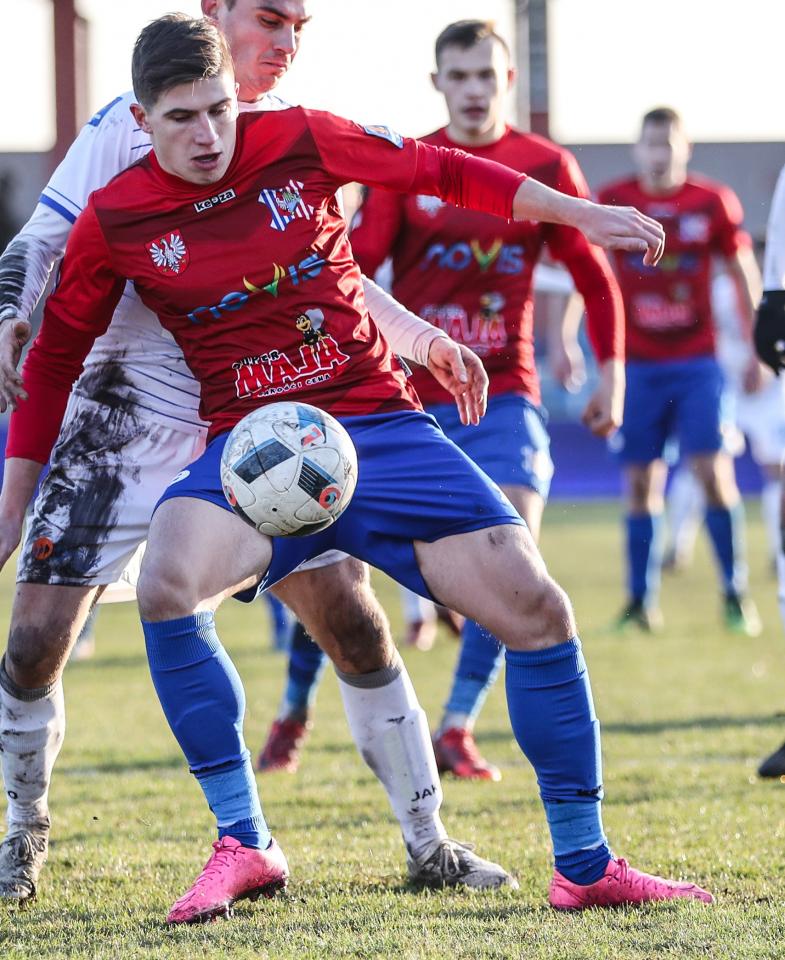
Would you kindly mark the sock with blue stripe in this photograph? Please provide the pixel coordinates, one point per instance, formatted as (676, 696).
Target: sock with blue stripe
(305, 669)
(644, 560)
(475, 673)
(726, 530)
(203, 700)
(552, 714)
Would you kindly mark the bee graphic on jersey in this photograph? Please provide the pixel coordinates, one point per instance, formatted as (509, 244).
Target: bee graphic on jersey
(310, 324)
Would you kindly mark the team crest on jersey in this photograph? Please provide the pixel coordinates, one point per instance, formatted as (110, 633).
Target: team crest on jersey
(169, 254)
(285, 204)
(385, 133)
(429, 205)
(694, 228)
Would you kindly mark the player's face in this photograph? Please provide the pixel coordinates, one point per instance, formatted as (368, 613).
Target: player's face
(263, 35)
(193, 128)
(475, 83)
(662, 155)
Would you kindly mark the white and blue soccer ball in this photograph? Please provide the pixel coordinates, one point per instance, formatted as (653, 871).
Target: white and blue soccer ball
(289, 469)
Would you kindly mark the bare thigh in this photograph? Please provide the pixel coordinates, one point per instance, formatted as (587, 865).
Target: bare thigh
(46, 620)
(497, 577)
(529, 505)
(337, 606)
(197, 555)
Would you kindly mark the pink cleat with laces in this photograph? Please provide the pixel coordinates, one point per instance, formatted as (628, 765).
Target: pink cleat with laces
(621, 884)
(232, 873)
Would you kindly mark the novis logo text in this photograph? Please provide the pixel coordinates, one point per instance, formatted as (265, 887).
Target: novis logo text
(285, 204)
(169, 254)
(503, 257)
(305, 270)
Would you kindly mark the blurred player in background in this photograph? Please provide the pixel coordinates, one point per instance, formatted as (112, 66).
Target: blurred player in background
(471, 276)
(674, 384)
(132, 424)
(770, 344)
(756, 419)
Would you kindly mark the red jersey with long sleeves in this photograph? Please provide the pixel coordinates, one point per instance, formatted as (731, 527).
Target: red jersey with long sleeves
(668, 307)
(471, 274)
(253, 275)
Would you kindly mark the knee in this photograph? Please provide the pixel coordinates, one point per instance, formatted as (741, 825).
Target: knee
(164, 594)
(545, 620)
(36, 653)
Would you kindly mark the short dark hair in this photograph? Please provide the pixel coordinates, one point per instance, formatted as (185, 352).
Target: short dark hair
(661, 116)
(465, 33)
(176, 49)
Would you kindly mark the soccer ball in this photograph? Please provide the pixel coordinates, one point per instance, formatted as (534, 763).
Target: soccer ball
(289, 469)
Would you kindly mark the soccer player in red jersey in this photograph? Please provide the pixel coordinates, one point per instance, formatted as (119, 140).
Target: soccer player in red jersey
(132, 425)
(429, 517)
(674, 383)
(471, 275)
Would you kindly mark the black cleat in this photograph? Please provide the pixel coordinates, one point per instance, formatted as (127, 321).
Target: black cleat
(773, 767)
(637, 614)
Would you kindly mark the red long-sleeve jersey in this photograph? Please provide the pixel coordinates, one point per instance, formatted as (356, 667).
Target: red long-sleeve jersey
(668, 307)
(253, 275)
(471, 274)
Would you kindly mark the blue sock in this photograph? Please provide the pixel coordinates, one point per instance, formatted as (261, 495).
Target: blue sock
(478, 666)
(644, 555)
(203, 700)
(552, 715)
(306, 665)
(726, 530)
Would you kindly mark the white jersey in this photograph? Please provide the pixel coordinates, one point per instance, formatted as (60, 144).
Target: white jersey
(774, 258)
(136, 363)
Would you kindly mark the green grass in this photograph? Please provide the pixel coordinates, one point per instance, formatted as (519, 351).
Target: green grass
(686, 717)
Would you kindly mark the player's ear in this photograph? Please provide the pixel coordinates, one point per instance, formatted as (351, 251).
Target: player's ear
(512, 76)
(435, 82)
(139, 114)
(209, 8)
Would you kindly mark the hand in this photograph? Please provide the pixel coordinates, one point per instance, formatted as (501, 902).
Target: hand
(460, 371)
(752, 377)
(14, 334)
(10, 535)
(605, 410)
(622, 228)
(567, 364)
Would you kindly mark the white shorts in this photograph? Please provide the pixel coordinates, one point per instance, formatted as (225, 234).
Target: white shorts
(89, 522)
(761, 418)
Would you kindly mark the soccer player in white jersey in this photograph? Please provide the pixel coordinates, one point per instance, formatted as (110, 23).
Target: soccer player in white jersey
(132, 424)
(770, 344)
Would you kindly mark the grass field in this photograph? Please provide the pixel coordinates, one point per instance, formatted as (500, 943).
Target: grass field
(686, 717)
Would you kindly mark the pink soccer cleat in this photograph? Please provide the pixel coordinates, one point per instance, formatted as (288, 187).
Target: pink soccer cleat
(232, 873)
(621, 884)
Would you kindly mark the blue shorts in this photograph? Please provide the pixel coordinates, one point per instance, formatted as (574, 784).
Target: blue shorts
(511, 443)
(413, 484)
(673, 399)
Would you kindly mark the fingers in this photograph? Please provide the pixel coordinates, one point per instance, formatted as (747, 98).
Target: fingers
(457, 366)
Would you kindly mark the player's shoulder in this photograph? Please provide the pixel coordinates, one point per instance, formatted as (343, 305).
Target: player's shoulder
(701, 186)
(621, 191)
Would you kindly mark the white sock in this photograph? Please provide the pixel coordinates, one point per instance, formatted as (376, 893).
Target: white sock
(452, 720)
(32, 727)
(416, 609)
(770, 511)
(390, 729)
(685, 509)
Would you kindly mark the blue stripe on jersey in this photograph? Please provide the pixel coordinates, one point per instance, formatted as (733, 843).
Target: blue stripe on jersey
(188, 377)
(98, 117)
(73, 203)
(140, 146)
(54, 205)
(158, 396)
